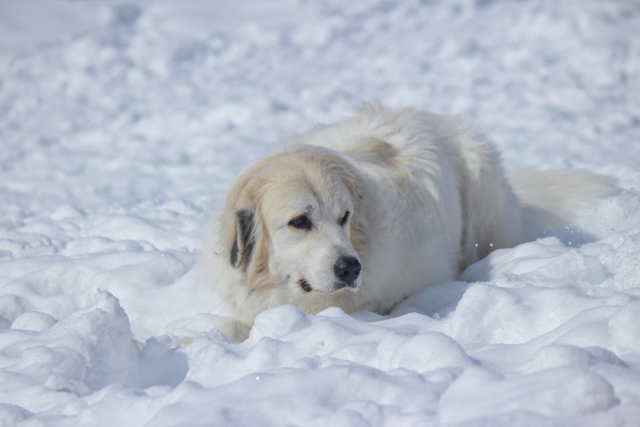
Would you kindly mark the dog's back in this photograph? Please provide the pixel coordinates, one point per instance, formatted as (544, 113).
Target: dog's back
(447, 155)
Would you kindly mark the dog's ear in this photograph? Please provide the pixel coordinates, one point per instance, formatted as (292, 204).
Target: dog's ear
(244, 240)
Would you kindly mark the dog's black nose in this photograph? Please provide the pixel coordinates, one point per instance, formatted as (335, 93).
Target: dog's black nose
(347, 269)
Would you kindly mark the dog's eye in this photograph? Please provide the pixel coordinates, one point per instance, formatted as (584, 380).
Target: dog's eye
(302, 222)
(345, 218)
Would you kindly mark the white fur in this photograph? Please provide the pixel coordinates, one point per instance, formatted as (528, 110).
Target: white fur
(431, 197)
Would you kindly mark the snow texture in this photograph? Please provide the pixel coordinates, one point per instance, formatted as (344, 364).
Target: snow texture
(123, 124)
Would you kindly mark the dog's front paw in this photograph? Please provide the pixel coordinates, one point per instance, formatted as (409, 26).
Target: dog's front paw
(183, 331)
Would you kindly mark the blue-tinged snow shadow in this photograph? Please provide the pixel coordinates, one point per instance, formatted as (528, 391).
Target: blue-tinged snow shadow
(436, 301)
(159, 364)
(539, 224)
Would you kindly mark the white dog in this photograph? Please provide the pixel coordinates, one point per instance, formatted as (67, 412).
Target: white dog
(363, 213)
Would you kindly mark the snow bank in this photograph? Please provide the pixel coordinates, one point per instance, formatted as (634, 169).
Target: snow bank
(123, 124)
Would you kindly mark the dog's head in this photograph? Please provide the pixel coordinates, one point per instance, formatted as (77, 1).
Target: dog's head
(296, 219)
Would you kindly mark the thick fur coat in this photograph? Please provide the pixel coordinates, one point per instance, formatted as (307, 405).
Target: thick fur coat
(365, 212)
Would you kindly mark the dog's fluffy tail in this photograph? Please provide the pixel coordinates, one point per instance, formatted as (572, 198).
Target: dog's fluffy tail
(549, 199)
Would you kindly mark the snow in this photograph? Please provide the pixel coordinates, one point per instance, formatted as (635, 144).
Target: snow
(123, 124)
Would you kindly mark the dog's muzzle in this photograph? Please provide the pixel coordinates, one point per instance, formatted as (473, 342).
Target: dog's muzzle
(347, 269)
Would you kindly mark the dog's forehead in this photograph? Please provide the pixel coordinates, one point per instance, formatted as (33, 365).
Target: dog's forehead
(303, 186)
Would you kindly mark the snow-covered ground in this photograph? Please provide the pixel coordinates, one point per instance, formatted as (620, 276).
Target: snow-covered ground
(123, 124)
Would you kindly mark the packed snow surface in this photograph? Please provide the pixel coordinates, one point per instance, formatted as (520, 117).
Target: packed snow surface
(123, 124)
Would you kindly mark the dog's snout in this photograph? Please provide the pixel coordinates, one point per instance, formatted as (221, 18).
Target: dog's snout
(347, 269)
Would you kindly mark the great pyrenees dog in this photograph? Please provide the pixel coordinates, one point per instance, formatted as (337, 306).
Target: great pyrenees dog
(365, 212)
